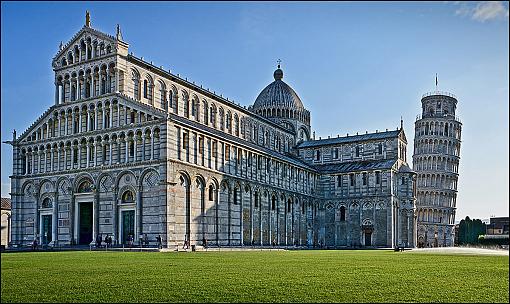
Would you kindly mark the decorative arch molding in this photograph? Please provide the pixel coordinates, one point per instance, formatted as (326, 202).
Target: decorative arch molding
(105, 182)
(367, 222)
(45, 186)
(125, 188)
(149, 178)
(199, 181)
(46, 201)
(225, 185)
(124, 177)
(80, 179)
(212, 181)
(183, 178)
(28, 189)
(64, 185)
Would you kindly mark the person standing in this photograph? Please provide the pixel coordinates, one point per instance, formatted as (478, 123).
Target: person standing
(158, 239)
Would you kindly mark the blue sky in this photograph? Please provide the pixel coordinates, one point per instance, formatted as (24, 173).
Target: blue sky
(356, 66)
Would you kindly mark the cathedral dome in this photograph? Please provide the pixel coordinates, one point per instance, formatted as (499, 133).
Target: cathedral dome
(278, 94)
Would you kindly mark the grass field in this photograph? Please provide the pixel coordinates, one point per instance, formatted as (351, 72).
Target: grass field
(249, 276)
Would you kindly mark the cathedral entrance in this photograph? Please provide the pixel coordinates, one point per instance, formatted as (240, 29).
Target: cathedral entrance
(368, 238)
(85, 227)
(368, 229)
(128, 226)
(46, 229)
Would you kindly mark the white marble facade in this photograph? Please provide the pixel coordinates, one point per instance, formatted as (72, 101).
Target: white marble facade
(128, 148)
(436, 161)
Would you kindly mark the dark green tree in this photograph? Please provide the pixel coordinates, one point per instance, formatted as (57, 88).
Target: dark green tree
(469, 230)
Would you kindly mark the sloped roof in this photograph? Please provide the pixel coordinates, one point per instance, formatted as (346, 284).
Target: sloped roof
(348, 139)
(405, 168)
(364, 165)
(220, 134)
(6, 203)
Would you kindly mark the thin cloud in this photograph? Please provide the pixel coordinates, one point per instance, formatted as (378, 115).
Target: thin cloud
(483, 11)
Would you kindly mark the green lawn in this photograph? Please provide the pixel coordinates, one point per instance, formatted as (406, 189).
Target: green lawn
(285, 276)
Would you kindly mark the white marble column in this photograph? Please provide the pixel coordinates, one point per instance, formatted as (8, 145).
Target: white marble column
(135, 140)
(103, 120)
(79, 155)
(79, 121)
(152, 145)
(95, 118)
(88, 147)
(111, 115)
(93, 88)
(95, 153)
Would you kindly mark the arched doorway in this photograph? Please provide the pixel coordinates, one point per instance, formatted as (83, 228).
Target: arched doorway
(46, 221)
(85, 210)
(368, 229)
(127, 218)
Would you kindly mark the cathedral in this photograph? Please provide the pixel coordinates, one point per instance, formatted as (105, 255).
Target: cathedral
(129, 150)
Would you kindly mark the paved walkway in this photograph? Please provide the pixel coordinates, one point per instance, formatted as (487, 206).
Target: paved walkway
(461, 250)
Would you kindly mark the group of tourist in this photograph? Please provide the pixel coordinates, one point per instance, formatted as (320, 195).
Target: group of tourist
(107, 240)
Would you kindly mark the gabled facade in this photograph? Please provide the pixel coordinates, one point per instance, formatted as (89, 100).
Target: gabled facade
(130, 150)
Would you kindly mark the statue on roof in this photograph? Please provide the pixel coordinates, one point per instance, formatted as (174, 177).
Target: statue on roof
(119, 34)
(87, 19)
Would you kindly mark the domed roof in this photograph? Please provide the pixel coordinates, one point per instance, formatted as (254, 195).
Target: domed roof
(278, 94)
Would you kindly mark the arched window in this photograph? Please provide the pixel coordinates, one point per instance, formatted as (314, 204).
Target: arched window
(85, 187)
(379, 148)
(46, 203)
(170, 99)
(317, 155)
(256, 199)
(339, 181)
(235, 196)
(342, 213)
(195, 109)
(236, 124)
(131, 148)
(145, 88)
(289, 205)
(128, 197)
(75, 156)
(186, 105)
(211, 193)
(222, 119)
(357, 151)
(273, 203)
(228, 122)
(365, 178)
(136, 84)
(73, 92)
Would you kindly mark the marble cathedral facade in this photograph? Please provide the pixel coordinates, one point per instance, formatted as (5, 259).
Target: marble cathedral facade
(129, 149)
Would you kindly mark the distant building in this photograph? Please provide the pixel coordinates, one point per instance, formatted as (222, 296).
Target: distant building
(6, 221)
(498, 226)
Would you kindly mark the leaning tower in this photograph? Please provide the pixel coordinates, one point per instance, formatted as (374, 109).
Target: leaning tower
(436, 161)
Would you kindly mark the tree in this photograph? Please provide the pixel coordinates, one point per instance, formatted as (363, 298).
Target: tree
(469, 230)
